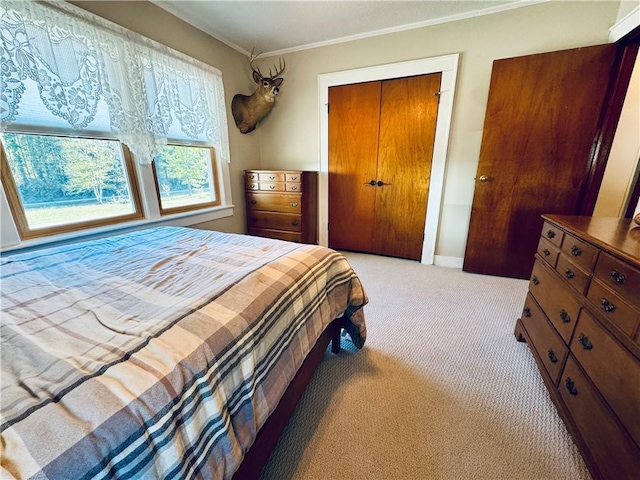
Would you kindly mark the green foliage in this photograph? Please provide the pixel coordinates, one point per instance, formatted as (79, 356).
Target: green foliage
(92, 166)
(57, 176)
(37, 165)
(182, 167)
(48, 169)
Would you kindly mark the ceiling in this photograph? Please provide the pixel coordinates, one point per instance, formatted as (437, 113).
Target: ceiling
(275, 27)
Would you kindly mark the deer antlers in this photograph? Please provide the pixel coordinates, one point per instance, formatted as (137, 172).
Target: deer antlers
(279, 70)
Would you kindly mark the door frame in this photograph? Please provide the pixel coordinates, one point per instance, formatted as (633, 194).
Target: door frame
(448, 66)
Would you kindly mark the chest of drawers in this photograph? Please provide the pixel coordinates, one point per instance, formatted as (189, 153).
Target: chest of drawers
(282, 204)
(581, 319)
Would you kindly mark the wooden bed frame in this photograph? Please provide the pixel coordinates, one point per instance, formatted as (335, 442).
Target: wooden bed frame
(268, 436)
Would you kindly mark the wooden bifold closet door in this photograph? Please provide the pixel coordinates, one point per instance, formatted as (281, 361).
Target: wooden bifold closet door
(381, 137)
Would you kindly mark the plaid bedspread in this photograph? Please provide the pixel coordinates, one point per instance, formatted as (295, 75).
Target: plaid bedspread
(159, 353)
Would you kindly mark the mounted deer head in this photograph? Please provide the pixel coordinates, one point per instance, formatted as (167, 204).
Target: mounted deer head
(249, 110)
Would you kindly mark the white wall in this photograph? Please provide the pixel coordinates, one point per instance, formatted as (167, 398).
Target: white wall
(625, 8)
(623, 158)
(289, 139)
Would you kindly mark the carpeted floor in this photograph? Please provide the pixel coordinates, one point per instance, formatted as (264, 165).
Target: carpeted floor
(441, 390)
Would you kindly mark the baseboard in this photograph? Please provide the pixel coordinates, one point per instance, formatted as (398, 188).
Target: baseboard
(444, 261)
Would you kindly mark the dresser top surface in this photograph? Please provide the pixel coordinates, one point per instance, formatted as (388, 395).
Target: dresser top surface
(620, 236)
(280, 171)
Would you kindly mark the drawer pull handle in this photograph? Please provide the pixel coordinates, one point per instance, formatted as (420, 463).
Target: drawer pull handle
(272, 187)
(294, 178)
(569, 274)
(294, 223)
(294, 204)
(618, 277)
(575, 251)
(535, 280)
(526, 312)
(607, 306)
(571, 387)
(552, 356)
(546, 252)
(253, 202)
(272, 177)
(372, 183)
(294, 188)
(584, 341)
(564, 316)
(551, 234)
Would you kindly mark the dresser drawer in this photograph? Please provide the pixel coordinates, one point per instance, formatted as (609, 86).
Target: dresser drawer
(573, 274)
(294, 187)
(612, 369)
(253, 186)
(620, 277)
(548, 251)
(582, 253)
(284, 203)
(277, 234)
(251, 177)
(610, 446)
(552, 233)
(271, 177)
(612, 307)
(292, 177)
(560, 307)
(544, 339)
(273, 187)
(274, 221)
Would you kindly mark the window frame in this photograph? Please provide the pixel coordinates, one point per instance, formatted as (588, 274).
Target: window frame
(196, 206)
(17, 208)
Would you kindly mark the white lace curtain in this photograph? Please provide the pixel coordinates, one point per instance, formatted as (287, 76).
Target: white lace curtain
(86, 73)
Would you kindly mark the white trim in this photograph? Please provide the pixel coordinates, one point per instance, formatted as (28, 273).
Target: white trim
(625, 25)
(449, 262)
(448, 65)
(201, 24)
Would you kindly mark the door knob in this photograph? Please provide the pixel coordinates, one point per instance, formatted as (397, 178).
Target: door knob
(483, 178)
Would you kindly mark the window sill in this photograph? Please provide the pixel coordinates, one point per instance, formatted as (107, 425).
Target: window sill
(178, 219)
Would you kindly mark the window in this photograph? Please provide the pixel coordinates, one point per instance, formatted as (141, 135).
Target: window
(57, 184)
(186, 178)
(85, 99)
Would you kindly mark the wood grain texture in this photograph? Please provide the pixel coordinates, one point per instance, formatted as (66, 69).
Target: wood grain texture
(282, 204)
(381, 132)
(541, 122)
(353, 155)
(408, 115)
(597, 396)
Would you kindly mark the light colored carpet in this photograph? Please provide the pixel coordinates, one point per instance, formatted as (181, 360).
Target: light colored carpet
(441, 390)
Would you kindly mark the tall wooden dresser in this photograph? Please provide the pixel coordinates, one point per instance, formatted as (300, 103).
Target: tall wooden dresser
(282, 204)
(581, 320)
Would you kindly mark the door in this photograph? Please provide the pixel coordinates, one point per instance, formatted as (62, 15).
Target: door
(541, 122)
(354, 120)
(381, 137)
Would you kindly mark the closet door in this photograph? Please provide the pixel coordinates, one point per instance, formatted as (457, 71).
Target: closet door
(381, 138)
(353, 154)
(408, 112)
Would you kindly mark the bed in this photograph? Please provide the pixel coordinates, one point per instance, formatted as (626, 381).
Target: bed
(168, 352)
